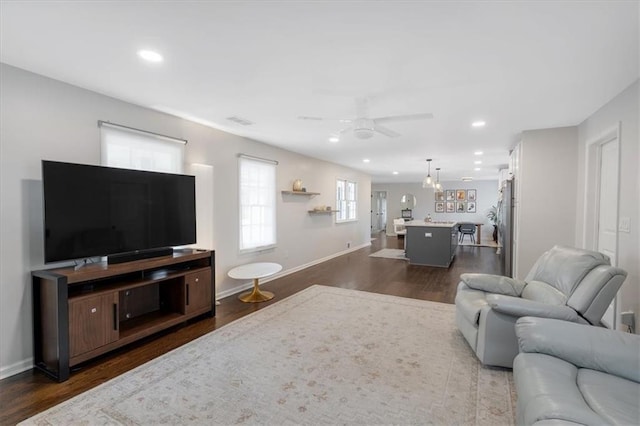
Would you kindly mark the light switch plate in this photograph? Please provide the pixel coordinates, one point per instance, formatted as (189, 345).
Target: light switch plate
(624, 225)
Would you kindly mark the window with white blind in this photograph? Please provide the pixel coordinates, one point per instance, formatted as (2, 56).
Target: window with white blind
(346, 200)
(257, 203)
(136, 149)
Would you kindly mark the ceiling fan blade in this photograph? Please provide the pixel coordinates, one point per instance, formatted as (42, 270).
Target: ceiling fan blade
(312, 118)
(385, 131)
(407, 117)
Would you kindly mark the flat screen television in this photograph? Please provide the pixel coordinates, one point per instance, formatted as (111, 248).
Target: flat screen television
(124, 214)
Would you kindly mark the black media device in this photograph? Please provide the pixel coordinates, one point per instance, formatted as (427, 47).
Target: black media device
(124, 214)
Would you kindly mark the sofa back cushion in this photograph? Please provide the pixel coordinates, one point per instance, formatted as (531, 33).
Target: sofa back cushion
(564, 267)
(543, 293)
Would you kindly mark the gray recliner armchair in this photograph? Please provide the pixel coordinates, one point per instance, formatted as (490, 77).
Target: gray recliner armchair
(572, 374)
(565, 283)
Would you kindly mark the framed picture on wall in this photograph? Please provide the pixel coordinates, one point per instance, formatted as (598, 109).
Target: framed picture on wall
(439, 206)
(451, 195)
(439, 196)
(471, 195)
(471, 207)
(461, 195)
(451, 206)
(461, 207)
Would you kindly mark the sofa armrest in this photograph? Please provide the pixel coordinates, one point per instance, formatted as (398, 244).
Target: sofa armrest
(518, 307)
(494, 283)
(585, 346)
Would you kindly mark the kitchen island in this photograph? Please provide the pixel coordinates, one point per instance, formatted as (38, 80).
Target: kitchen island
(431, 243)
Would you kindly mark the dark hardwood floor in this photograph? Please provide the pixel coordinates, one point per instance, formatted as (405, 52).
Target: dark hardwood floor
(29, 393)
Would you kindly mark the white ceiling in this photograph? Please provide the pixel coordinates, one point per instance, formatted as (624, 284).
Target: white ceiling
(516, 65)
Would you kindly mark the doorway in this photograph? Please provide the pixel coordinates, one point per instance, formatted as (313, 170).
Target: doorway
(601, 221)
(379, 211)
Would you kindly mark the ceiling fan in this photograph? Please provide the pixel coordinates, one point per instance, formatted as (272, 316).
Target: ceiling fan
(364, 127)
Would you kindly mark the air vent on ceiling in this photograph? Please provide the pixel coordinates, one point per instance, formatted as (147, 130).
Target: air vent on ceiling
(306, 117)
(240, 120)
(467, 179)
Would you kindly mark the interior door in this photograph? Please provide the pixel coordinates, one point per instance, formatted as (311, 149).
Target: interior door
(607, 209)
(379, 211)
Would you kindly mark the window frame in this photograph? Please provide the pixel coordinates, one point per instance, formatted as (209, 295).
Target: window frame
(347, 208)
(242, 249)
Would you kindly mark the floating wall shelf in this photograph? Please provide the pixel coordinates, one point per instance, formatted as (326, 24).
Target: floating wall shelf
(323, 211)
(300, 193)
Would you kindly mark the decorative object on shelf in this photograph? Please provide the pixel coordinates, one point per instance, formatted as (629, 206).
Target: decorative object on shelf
(328, 208)
(297, 185)
(428, 181)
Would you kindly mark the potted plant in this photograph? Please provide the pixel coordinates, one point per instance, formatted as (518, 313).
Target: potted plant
(492, 215)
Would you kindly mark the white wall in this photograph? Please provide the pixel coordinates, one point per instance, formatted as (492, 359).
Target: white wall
(487, 196)
(46, 119)
(622, 109)
(546, 184)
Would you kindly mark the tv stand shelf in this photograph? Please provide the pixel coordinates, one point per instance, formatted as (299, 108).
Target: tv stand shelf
(78, 315)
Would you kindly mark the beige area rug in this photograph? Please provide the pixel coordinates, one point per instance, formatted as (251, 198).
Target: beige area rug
(389, 254)
(322, 356)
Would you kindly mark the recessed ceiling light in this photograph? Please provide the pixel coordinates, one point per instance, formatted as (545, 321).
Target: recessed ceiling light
(477, 169)
(478, 123)
(334, 139)
(478, 153)
(477, 162)
(395, 173)
(150, 55)
(366, 160)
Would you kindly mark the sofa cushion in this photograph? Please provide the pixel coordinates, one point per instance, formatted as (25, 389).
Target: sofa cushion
(543, 293)
(615, 399)
(564, 267)
(546, 388)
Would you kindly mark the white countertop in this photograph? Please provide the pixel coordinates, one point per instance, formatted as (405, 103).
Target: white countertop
(434, 224)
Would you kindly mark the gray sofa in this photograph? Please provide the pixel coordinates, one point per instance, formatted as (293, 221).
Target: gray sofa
(567, 374)
(565, 283)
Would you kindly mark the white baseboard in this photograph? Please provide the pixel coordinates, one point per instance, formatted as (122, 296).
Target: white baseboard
(248, 285)
(16, 368)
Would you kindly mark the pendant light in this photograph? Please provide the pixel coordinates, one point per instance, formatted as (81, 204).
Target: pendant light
(438, 185)
(427, 182)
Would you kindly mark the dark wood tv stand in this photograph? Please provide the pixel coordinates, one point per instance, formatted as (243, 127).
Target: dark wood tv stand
(78, 315)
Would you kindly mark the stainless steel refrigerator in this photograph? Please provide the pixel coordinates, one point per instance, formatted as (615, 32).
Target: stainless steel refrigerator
(505, 227)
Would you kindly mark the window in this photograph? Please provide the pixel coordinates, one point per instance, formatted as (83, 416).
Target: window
(136, 149)
(346, 200)
(257, 203)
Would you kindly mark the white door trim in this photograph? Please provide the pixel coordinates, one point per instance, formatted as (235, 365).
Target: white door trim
(591, 219)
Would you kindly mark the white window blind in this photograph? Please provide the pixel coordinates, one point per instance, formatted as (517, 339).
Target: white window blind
(346, 200)
(257, 204)
(132, 149)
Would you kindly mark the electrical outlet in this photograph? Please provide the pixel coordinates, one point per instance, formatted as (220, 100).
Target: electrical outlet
(627, 318)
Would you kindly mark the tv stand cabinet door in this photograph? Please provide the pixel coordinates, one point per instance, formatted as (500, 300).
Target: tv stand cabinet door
(93, 322)
(197, 291)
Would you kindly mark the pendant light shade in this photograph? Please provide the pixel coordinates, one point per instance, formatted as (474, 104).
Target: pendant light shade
(428, 181)
(438, 185)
